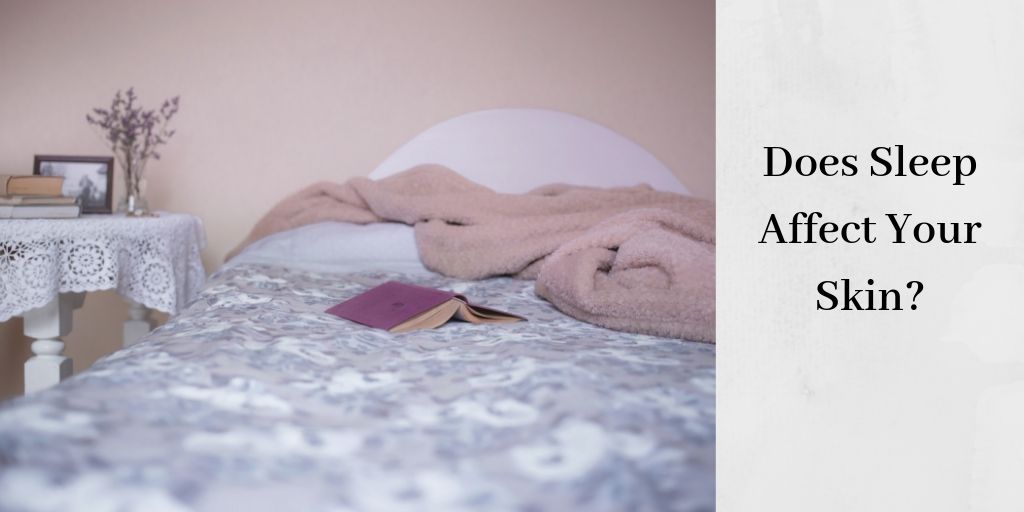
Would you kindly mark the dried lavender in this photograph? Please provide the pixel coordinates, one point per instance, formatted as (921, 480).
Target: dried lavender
(134, 133)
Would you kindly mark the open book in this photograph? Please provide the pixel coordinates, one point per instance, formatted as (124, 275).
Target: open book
(399, 307)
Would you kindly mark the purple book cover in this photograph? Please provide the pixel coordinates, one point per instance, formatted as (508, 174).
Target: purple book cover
(390, 304)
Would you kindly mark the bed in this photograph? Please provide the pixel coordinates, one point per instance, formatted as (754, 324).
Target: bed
(254, 399)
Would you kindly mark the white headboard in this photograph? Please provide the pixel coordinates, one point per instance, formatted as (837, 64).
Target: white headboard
(515, 150)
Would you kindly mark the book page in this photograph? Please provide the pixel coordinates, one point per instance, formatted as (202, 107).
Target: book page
(429, 319)
(480, 315)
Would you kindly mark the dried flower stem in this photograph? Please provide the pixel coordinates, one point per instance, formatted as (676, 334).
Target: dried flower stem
(134, 133)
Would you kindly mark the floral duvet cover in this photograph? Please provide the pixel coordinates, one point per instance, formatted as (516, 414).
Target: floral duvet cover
(255, 399)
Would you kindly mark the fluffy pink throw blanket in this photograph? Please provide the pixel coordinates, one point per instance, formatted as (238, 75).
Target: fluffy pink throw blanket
(632, 259)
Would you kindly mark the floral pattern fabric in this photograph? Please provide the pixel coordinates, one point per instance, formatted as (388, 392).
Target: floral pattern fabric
(253, 398)
(154, 261)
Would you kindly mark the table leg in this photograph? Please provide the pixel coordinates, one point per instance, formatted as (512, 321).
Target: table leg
(137, 325)
(47, 324)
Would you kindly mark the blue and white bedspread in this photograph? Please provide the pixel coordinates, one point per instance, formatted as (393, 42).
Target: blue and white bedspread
(255, 399)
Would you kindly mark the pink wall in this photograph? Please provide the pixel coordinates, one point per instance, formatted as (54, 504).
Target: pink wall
(276, 95)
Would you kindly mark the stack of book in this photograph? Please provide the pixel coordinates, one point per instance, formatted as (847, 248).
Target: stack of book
(35, 197)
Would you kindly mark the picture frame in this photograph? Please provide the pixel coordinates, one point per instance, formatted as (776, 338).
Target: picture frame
(90, 178)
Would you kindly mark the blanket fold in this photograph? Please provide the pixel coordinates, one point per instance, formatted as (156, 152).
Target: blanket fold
(630, 258)
(637, 271)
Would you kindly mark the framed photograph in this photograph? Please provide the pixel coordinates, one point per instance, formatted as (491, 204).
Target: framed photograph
(89, 178)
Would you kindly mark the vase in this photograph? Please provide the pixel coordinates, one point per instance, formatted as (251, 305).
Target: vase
(133, 203)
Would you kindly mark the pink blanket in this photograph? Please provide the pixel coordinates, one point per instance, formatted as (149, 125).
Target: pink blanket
(632, 259)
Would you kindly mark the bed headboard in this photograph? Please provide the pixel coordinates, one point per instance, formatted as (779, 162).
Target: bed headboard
(515, 150)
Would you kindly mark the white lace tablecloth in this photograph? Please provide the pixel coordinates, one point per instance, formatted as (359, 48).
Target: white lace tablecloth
(154, 261)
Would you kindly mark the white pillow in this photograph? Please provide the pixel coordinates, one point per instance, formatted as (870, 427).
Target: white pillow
(339, 247)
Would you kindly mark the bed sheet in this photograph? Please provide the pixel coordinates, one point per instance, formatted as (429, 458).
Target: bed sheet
(254, 397)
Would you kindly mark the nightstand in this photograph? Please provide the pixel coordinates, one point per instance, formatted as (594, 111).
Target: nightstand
(47, 265)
